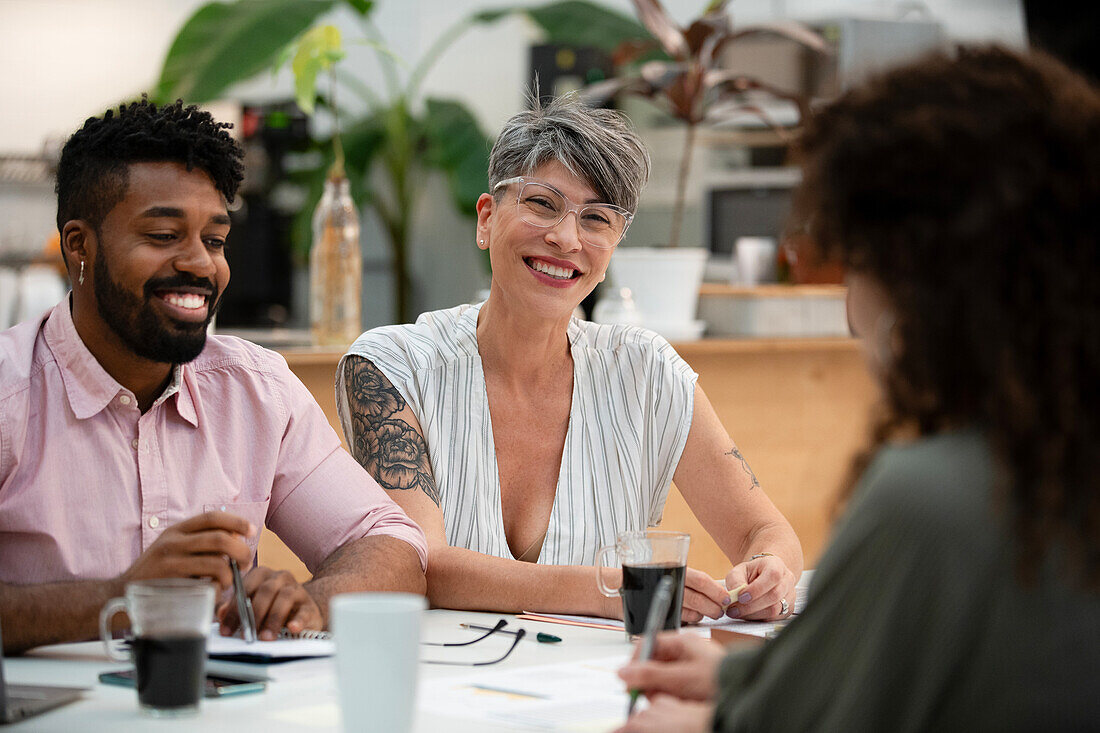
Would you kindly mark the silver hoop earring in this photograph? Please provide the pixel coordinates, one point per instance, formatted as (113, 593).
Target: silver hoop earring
(81, 278)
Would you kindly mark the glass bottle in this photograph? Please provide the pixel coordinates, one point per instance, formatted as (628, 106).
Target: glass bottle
(335, 266)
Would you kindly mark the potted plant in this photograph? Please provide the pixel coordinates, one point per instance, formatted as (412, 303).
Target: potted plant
(689, 84)
(383, 150)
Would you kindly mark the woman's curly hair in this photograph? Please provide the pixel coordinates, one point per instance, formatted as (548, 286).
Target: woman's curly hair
(92, 173)
(969, 186)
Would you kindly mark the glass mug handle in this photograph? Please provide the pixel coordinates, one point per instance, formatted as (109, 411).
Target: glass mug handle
(601, 556)
(114, 606)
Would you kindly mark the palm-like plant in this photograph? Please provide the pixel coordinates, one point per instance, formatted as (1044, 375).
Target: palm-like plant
(690, 83)
(382, 150)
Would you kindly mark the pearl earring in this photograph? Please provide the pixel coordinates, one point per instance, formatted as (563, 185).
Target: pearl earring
(81, 278)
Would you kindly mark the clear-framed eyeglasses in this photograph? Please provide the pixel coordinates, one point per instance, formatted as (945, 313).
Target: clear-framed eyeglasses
(539, 204)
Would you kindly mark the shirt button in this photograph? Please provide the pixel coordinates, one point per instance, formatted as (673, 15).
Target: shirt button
(153, 522)
(134, 444)
(124, 399)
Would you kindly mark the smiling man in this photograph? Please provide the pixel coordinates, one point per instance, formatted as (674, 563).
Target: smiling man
(132, 445)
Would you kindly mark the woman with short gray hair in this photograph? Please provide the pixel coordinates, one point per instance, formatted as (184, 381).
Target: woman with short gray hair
(522, 439)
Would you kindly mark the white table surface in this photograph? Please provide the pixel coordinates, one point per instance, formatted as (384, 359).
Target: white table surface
(306, 704)
(309, 703)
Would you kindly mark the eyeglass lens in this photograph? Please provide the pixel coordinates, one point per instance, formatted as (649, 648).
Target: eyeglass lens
(600, 225)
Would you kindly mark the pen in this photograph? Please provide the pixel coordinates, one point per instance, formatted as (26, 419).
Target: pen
(658, 609)
(544, 638)
(244, 604)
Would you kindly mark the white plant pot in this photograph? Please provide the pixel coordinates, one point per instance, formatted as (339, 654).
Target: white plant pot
(665, 284)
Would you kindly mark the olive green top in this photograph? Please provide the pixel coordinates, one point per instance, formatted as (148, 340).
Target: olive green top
(917, 619)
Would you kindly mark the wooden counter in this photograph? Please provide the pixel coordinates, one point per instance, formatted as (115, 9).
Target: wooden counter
(797, 408)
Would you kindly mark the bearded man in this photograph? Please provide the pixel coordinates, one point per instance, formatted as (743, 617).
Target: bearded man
(133, 445)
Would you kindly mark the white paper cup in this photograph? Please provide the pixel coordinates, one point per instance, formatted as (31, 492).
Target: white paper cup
(377, 652)
(755, 259)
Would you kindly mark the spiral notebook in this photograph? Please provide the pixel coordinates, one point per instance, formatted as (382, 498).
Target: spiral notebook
(288, 647)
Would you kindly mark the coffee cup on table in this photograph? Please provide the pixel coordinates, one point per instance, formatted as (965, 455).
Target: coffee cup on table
(377, 652)
(170, 619)
(645, 557)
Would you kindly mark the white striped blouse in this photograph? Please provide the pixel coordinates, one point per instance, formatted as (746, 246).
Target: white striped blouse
(632, 405)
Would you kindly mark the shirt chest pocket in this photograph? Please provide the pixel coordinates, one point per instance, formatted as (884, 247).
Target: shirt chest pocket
(253, 511)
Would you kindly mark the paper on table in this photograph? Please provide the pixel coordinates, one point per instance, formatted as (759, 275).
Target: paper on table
(756, 628)
(570, 696)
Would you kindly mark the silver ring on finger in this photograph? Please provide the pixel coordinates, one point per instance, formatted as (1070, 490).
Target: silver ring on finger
(784, 607)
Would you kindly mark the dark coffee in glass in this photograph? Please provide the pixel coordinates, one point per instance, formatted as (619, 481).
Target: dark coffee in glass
(639, 585)
(169, 671)
(170, 619)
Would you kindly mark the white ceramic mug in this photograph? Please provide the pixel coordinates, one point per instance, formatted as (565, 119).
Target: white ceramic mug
(755, 259)
(377, 655)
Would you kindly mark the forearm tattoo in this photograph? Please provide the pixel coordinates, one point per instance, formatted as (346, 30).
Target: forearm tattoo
(744, 464)
(389, 448)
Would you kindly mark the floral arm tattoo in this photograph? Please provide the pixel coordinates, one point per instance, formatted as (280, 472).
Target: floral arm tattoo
(744, 464)
(389, 448)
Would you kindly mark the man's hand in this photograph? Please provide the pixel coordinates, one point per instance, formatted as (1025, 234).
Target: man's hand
(278, 601)
(196, 548)
(767, 580)
(684, 665)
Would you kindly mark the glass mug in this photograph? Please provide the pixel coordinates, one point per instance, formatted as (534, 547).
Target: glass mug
(170, 619)
(646, 556)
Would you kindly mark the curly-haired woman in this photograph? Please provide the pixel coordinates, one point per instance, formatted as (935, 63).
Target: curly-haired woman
(962, 588)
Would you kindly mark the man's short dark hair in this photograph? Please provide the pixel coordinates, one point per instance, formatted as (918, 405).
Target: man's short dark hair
(92, 174)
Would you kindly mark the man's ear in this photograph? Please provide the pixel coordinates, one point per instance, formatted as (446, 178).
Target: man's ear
(78, 240)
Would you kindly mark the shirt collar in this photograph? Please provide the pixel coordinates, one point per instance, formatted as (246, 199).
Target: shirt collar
(87, 384)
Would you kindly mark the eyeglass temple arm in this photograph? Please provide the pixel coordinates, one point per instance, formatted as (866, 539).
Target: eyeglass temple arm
(500, 625)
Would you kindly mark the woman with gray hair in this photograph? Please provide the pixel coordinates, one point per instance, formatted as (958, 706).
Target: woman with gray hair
(522, 439)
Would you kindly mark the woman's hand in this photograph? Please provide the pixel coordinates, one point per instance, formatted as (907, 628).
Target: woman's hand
(767, 580)
(666, 714)
(703, 596)
(684, 665)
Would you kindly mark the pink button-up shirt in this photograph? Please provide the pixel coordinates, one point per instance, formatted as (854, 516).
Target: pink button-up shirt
(87, 482)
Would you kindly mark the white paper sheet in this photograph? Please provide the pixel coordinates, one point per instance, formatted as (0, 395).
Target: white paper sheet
(572, 696)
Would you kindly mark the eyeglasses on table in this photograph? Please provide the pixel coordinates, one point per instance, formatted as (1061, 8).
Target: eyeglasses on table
(517, 637)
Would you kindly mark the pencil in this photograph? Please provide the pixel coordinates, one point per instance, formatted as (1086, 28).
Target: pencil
(540, 637)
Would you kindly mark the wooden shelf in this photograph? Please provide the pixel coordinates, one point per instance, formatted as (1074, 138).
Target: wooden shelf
(771, 291)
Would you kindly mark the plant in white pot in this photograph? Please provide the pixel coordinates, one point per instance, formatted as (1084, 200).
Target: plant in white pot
(692, 87)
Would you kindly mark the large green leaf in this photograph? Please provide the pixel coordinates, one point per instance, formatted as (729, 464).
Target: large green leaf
(319, 48)
(457, 146)
(580, 23)
(222, 44)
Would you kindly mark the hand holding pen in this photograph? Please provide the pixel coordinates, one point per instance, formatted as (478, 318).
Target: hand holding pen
(680, 681)
(278, 602)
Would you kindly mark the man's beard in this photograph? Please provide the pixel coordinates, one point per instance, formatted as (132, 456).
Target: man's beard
(145, 332)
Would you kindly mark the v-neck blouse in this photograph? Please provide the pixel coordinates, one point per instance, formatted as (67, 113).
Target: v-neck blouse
(631, 411)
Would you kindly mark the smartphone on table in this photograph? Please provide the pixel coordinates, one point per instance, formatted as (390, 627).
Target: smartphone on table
(217, 685)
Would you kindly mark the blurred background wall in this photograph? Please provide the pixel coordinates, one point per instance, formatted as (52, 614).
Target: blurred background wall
(64, 60)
